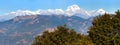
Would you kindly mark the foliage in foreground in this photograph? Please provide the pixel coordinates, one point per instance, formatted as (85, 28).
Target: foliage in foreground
(62, 36)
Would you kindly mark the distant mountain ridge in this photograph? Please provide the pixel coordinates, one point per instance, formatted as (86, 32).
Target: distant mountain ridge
(22, 29)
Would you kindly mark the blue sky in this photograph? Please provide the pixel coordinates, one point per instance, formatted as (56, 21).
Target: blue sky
(13, 5)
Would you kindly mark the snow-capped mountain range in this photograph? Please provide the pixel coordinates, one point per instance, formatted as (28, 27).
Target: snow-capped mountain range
(20, 27)
(73, 10)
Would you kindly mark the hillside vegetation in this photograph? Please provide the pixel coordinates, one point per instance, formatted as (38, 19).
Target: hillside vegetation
(61, 36)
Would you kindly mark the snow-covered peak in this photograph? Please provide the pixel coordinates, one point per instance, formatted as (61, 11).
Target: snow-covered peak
(98, 12)
(76, 11)
(73, 8)
(101, 11)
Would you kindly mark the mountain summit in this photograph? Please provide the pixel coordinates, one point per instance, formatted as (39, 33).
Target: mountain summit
(98, 12)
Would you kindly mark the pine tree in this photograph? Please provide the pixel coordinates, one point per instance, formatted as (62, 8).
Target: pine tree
(105, 29)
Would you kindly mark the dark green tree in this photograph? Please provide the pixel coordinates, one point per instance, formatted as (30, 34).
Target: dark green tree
(105, 29)
(62, 36)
